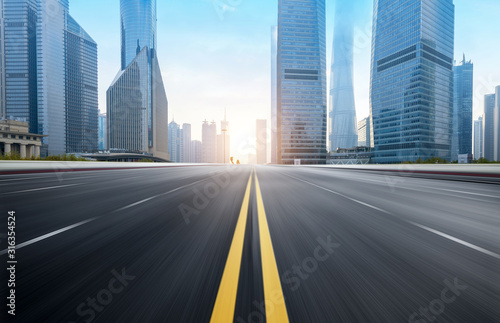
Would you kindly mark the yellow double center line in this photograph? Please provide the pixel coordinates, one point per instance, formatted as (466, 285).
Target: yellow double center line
(273, 294)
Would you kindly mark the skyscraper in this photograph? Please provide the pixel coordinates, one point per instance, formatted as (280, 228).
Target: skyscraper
(496, 126)
(412, 79)
(274, 94)
(196, 151)
(478, 138)
(186, 143)
(261, 150)
(343, 128)
(223, 142)
(18, 61)
(175, 142)
(301, 82)
(364, 131)
(48, 66)
(137, 106)
(489, 127)
(209, 142)
(462, 109)
(81, 89)
(102, 132)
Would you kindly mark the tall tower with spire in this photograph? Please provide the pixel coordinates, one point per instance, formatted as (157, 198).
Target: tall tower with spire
(137, 105)
(343, 123)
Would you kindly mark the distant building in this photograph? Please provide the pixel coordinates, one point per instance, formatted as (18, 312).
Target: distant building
(209, 142)
(496, 125)
(488, 127)
(343, 128)
(412, 80)
(465, 158)
(261, 149)
(16, 138)
(301, 82)
(224, 143)
(478, 138)
(196, 152)
(364, 132)
(462, 109)
(137, 106)
(175, 142)
(350, 156)
(186, 144)
(102, 132)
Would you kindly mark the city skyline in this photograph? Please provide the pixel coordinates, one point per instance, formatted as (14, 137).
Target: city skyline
(195, 40)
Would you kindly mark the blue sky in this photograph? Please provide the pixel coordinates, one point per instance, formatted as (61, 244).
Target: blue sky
(215, 54)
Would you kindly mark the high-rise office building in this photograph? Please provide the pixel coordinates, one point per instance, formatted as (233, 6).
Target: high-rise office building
(462, 109)
(102, 132)
(364, 132)
(48, 66)
(274, 94)
(18, 61)
(196, 151)
(301, 82)
(223, 142)
(478, 138)
(342, 110)
(489, 127)
(412, 79)
(261, 134)
(81, 90)
(186, 143)
(175, 142)
(209, 142)
(496, 126)
(137, 106)
(51, 71)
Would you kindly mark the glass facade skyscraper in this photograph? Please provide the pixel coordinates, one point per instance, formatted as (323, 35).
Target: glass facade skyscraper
(81, 90)
(137, 107)
(174, 142)
(301, 82)
(412, 79)
(364, 132)
(343, 127)
(137, 27)
(48, 76)
(488, 126)
(102, 132)
(462, 109)
(19, 61)
(478, 138)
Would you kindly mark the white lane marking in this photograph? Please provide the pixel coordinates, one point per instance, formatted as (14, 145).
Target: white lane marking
(40, 189)
(48, 235)
(340, 194)
(153, 197)
(452, 238)
(444, 235)
(454, 191)
(21, 179)
(136, 203)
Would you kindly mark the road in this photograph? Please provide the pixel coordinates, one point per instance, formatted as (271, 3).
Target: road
(250, 244)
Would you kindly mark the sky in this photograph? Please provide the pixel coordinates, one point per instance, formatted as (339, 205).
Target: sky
(216, 55)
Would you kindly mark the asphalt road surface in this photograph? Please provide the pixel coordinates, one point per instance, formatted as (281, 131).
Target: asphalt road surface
(249, 244)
